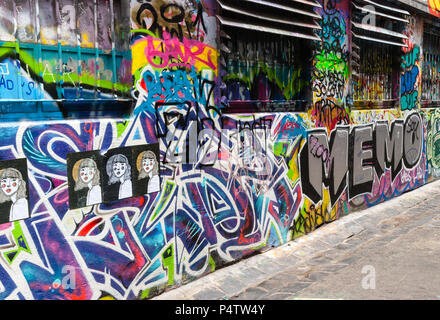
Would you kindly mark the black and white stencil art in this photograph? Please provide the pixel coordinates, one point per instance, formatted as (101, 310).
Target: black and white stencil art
(147, 176)
(84, 176)
(14, 193)
(117, 182)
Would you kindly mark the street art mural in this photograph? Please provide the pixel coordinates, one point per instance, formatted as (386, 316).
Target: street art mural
(330, 71)
(411, 66)
(84, 176)
(14, 201)
(350, 158)
(432, 117)
(125, 208)
(434, 7)
(51, 58)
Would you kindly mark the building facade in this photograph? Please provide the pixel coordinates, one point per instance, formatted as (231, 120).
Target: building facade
(148, 143)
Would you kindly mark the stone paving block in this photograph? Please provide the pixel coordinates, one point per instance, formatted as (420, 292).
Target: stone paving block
(346, 231)
(321, 259)
(333, 254)
(283, 277)
(269, 267)
(385, 240)
(317, 275)
(403, 229)
(423, 209)
(344, 246)
(407, 202)
(351, 259)
(231, 286)
(251, 294)
(302, 240)
(368, 220)
(252, 261)
(318, 245)
(294, 259)
(191, 291)
(429, 221)
(332, 268)
(280, 267)
(174, 294)
(278, 253)
(350, 243)
(298, 270)
(366, 235)
(314, 248)
(385, 227)
(333, 239)
(274, 284)
(430, 225)
(277, 296)
(387, 213)
(211, 293)
(302, 253)
(287, 261)
(294, 287)
(251, 275)
(371, 226)
(435, 202)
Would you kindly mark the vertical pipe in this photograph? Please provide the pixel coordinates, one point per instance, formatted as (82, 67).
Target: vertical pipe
(38, 48)
(97, 66)
(113, 39)
(60, 82)
(78, 49)
(17, 52)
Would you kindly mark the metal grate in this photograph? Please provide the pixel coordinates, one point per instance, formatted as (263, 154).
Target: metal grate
(265, 52)
(431, 65)
(378, 32)
(373, 72)
(292, 18)
(380, 23)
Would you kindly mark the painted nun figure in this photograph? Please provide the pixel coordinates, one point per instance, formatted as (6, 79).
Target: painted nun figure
(119, 172)
(14, 189)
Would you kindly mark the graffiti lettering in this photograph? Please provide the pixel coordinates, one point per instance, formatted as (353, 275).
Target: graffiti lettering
(357, 154)
(410, 78)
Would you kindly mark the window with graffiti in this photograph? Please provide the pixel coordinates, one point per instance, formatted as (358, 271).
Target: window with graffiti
(64, 55)
(266, 54)
(378, 31)
(378, 71)
(431, 66)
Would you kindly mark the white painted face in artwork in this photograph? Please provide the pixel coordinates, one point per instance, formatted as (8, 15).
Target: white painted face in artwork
(148, 165)
(10, 185)
(119, 169)
(87, 174)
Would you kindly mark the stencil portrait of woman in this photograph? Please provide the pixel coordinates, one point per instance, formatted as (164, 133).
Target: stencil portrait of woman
(14, 189)
(148, 168)
(119, 172)
(86, 175)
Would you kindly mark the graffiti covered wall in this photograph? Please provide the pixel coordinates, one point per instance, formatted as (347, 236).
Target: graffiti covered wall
(63, 58)
(434, 7)
(330, 72)
(219, 187)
